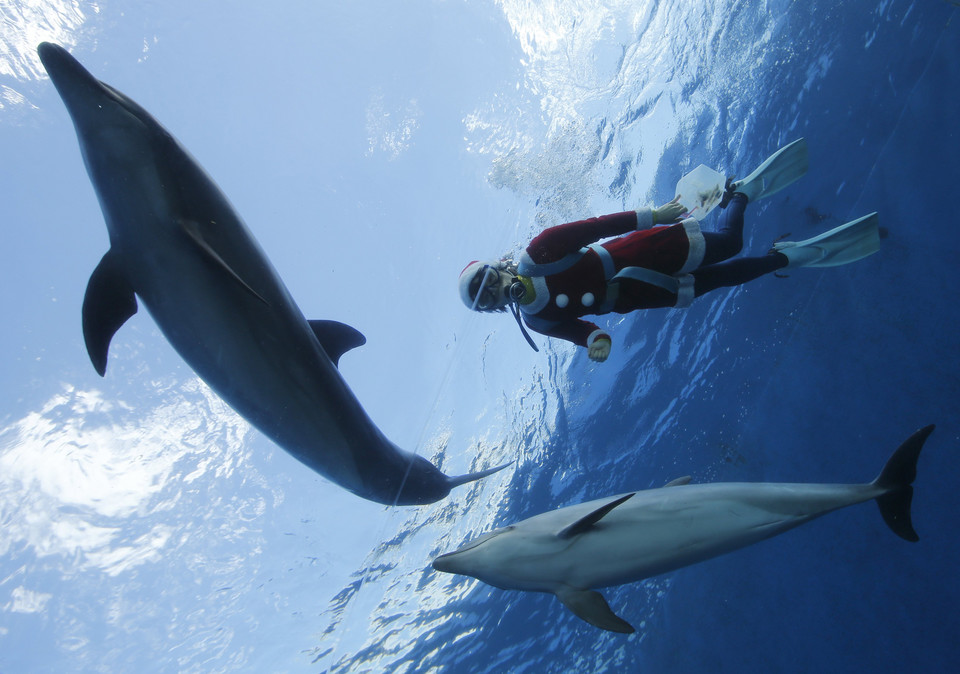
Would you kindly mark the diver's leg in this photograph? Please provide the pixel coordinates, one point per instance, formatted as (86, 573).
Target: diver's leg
(735, 272)
(728, 240)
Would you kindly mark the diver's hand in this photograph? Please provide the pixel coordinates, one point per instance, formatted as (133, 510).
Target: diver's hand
(669, 213)
(599, 350)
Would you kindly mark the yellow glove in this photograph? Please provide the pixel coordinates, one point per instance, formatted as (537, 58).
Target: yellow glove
(599, 350)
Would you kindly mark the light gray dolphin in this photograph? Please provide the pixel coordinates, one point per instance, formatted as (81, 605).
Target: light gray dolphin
(626, 538)
(178, 245)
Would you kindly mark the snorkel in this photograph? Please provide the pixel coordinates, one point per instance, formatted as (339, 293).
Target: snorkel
(515, 310)
(516, 291)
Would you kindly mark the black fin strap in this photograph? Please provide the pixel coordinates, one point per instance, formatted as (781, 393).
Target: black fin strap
(516, 314)
(727, 192)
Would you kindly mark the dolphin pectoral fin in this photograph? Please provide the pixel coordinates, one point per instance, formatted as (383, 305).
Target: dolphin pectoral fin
(456, 481)
(584, 523)
(337, 338)
(679, 482)
(192, 229)
(107, 304)
(590, 605)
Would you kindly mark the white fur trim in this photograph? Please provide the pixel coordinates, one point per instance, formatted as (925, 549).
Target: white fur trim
(463, 284)
(698, 246)
(597, 334)
(644, 218)
(524, 260)
(542, 296)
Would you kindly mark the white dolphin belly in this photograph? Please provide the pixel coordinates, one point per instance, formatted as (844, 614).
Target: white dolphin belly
(666, 529)
(629, 537)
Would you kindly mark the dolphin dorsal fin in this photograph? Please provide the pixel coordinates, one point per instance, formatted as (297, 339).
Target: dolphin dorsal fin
(584, 523)
(192, 229)
(107, 304)
(680, 481)
(336, 338)
(590, 605)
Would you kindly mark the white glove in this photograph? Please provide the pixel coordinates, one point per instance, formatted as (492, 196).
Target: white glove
(669, 213)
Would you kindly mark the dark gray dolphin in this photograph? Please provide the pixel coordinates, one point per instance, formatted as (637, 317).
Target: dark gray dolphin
(178, 245)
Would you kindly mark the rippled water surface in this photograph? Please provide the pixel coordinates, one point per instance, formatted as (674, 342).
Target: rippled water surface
(374, 150)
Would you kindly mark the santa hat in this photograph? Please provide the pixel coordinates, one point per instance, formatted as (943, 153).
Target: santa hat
(467, 276)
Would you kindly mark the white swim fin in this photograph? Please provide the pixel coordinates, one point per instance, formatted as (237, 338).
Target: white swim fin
(841, 245)
(784, 166)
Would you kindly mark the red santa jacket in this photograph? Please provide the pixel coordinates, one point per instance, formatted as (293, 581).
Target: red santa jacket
(574, 276)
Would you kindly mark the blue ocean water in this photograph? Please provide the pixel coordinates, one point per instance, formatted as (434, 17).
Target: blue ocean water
(179, 540)
(815, 377)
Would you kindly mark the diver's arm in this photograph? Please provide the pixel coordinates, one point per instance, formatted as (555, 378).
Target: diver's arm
(576, 330)
(555, 242)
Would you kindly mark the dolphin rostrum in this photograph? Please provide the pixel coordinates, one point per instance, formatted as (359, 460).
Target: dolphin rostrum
(178, 246)
(621, 539)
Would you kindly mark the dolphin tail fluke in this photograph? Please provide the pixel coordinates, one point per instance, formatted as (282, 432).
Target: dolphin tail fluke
(896, 479)
(457, 480)
(590, 606)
